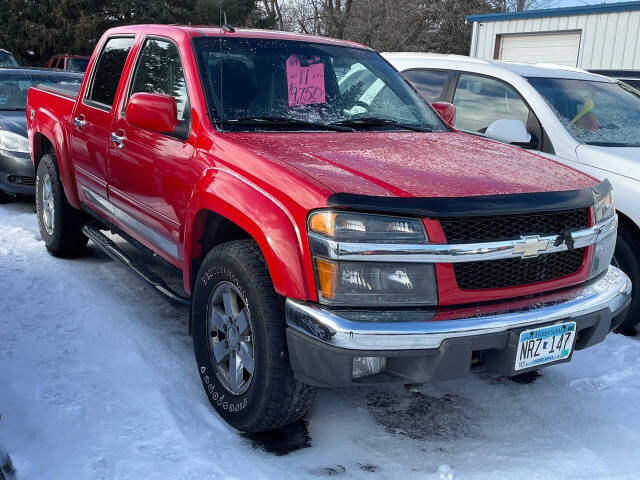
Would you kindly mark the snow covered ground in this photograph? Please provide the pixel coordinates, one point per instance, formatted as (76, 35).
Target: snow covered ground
(98, 381)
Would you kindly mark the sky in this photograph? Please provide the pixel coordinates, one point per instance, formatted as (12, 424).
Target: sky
(573, 3)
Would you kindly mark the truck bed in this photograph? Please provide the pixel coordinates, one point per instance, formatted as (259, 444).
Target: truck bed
(58, 101)
(68, 90)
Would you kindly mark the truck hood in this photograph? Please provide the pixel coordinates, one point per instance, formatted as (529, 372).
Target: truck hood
(623, 161)
(15, 122)
(415, 164)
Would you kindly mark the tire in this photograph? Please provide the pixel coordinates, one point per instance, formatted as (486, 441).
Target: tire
(269, 396)
(60, 224)
(5, 197)
(627, 258)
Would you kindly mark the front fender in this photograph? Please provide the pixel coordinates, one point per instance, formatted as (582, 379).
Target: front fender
(266, 219)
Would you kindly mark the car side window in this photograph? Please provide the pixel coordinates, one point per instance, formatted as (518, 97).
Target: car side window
(480, 101)
(430, 83)
(159, 70)
(109, 70)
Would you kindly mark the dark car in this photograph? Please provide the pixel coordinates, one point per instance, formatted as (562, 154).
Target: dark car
(7, 59)
(71, 63)
(16, 168)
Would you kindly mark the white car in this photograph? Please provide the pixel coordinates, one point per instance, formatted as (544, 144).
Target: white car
(587, 121)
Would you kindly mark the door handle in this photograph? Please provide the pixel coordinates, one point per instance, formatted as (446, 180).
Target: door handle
(118, 139)
(79, 121)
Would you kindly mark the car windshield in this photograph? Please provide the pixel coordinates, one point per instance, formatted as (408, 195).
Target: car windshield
(596, 113)
(14, 86)
(77, 64)
(7, 59)
(254, 84)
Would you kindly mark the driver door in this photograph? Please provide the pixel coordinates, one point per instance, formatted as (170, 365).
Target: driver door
(151, 174)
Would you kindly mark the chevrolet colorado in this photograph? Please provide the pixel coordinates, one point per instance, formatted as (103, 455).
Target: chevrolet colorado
(326, 236)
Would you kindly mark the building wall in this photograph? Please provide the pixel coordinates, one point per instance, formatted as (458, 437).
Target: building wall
(610, 41)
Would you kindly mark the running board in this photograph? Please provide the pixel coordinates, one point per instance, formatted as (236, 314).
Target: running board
(92, 231)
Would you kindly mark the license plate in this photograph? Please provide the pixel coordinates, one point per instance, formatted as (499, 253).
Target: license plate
(544, 345)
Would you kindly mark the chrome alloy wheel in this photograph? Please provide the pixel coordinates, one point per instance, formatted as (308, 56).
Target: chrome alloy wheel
(48, 207)
(230, 338)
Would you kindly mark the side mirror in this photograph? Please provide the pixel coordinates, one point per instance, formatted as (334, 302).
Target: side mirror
(152, 111)
(447, 111)
(508, 130)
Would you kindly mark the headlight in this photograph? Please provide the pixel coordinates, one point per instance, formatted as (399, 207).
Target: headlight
(604, 208)
(375, 284)
(13, 142)
(359, 227)
(365, 283)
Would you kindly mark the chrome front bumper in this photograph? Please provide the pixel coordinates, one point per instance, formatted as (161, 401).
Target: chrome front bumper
(373, 330)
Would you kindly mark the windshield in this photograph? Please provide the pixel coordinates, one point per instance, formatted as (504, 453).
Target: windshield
(14, 86)
(7, 59)
(595, 113)
(77, 64)
(265, 84)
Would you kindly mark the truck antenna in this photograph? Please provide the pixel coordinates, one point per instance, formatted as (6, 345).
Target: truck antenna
(226, 27)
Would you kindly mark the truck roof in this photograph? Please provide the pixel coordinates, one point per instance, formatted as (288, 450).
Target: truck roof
(217, 31)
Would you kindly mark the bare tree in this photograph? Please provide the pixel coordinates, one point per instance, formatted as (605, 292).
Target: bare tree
(520, 5)
(272, 12)
(336, 16)
(394, 25)
(303, 16)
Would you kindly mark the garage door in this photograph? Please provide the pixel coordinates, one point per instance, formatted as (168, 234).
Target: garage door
(559, 48)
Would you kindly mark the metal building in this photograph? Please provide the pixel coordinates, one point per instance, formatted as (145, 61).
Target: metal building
(593, 37)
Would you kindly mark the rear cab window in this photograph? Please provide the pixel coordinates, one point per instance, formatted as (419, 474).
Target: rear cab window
(107, 73)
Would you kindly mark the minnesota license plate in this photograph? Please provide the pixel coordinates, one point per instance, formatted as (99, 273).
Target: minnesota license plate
(545, 345)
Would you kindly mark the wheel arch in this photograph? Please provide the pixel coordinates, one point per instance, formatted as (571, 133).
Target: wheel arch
(628, 222)
(227, 208)
(50, 138)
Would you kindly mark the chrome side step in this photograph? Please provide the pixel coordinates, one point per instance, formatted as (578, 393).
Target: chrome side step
(92, 231)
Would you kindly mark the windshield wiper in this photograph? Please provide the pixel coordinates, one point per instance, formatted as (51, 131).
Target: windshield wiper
(267, 120)
(613, 144)
(379, 122)
(18, 109)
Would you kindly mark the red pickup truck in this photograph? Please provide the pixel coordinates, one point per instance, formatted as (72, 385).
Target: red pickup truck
(331, 229)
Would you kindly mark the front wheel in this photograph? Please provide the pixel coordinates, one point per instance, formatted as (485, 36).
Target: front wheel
(240, 342)
(60, 224)
(4, 197)
(627, 258)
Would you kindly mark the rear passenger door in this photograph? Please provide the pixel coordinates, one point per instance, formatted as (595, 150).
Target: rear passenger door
(91, 123)
(430, 83)
(150, 171)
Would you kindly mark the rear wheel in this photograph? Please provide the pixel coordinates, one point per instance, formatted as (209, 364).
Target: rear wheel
(240, 342)
(60, 224)
(627, 258)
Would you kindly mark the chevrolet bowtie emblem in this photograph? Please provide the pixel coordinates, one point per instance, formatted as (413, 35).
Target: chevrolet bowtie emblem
(530, 247)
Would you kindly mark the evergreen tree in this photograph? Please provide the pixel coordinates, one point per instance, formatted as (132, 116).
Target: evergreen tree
(33, 30)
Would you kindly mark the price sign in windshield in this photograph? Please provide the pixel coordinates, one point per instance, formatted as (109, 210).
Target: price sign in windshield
(305, 83)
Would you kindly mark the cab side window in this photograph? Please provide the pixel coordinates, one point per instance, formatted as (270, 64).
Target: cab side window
(480, 101)
(430, 83)
(109, 70)
(159, 70)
